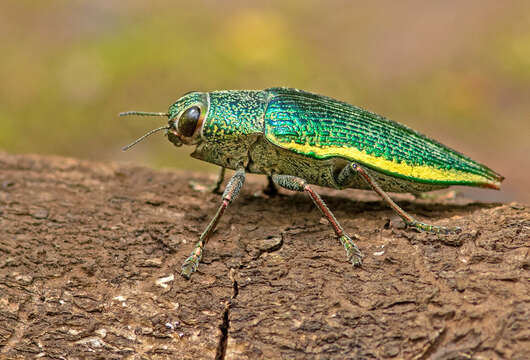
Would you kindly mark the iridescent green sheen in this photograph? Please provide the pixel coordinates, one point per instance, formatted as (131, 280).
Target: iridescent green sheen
(264, 130)
(309, 119)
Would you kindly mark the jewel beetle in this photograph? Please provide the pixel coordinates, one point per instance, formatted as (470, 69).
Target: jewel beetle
(299, 139)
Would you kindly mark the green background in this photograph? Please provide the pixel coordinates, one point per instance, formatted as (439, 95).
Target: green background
(456, 71)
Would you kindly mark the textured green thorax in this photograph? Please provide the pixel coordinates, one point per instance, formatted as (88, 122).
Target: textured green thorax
(308, 123)
(234, 114)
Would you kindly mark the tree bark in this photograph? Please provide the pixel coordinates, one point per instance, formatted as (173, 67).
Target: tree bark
(90, 255)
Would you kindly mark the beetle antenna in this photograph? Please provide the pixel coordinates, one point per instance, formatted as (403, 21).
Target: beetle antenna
(143, 113)
(125, 148)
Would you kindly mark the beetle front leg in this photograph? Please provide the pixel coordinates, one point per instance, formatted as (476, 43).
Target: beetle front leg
(213, 188)
(219, 182)
(230, 194)
(297, 184)
(353, 169)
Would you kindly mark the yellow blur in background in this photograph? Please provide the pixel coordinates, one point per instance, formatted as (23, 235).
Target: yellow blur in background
(455, 71)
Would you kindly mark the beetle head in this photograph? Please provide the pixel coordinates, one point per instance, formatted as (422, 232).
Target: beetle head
(186, 117)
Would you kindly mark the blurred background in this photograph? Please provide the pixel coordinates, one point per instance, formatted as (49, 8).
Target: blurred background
(456, 71)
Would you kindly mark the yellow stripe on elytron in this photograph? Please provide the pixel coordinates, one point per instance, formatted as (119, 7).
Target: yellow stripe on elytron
(421, 172)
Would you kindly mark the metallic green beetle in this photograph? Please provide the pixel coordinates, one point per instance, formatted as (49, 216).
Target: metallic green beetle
(298, 138)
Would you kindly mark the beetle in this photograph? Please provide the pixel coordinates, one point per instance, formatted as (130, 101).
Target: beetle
(299, 139)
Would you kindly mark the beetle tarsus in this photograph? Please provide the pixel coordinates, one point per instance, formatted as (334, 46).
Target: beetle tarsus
(353, 253)
(189, 266)
(435, 229)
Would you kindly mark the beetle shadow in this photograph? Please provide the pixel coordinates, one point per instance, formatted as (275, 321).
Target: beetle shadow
(357, 202)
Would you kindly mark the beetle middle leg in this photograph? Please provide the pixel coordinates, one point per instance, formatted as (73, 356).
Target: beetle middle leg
(352, 170)
(297, 184)
(231, 192)
(270, 189)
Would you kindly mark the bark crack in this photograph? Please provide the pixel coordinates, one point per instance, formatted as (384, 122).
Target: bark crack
(225, 323)
(20, 328)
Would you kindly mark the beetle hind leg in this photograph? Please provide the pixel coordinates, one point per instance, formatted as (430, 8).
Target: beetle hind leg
(297, 184)
(353, 170)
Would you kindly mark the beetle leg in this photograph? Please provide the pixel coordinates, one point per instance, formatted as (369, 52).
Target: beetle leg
(352, 169)
(297, 184)
(219, 181)
(230, 194)
(197, 186)
(270, 190)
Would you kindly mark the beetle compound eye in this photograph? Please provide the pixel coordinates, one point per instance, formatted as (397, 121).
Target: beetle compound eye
(188, 121)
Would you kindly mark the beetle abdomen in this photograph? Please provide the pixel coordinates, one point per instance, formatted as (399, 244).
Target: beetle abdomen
(321, 127)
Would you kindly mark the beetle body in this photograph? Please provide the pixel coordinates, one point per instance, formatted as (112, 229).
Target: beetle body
(288, 131)
(298, 138)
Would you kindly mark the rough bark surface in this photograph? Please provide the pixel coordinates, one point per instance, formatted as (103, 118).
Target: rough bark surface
(90, 253)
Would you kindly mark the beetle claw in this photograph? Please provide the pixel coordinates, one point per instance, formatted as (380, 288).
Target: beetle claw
(189, 266)
(188, 269)
(434, 229)
(352, 251)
